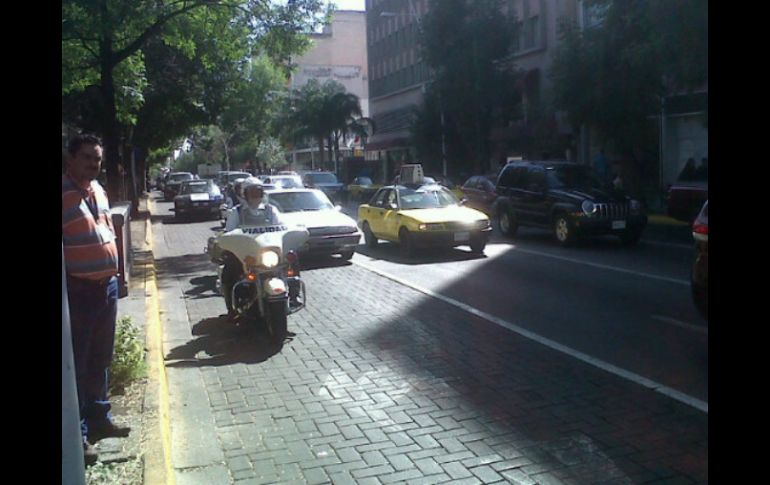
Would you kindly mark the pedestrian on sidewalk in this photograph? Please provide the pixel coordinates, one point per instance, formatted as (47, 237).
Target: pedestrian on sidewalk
(91, 260)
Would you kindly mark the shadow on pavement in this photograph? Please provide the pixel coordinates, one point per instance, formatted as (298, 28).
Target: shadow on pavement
(390, 252)
(178, 266)
(534, 403)
(202, 285)
(218, 342)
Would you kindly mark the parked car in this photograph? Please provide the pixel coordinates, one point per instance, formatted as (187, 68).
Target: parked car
(362, 188)
(283, 181)
(331, 231)
(197, 197)
(566, 198)
(325, 181)
(226, 177)
(173, 182)
(685, 199)
(479, 193)
(700, 268)
(422, 216)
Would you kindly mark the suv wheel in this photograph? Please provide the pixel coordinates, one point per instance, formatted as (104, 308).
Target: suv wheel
(563, 230)
(506, 221)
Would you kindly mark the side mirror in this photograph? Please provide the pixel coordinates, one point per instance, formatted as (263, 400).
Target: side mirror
(393, 206)
(463, 201)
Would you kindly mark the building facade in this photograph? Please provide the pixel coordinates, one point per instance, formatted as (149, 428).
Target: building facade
(398, 74)
(338, 53)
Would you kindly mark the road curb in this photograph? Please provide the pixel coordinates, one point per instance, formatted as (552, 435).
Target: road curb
(158, 466)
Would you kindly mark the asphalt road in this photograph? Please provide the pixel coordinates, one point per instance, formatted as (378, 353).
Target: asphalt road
(630, 307)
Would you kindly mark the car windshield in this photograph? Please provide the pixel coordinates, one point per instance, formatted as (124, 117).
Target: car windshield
(322, 178)
(232, 177)
(426, 198)
(300, 201)
(286, 182)
(178, 177)
(568, 176)
(195, 188)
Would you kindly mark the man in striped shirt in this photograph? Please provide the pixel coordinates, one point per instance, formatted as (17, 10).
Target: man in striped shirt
(91, 260)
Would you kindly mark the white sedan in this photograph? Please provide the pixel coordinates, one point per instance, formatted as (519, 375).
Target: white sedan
(331, 231)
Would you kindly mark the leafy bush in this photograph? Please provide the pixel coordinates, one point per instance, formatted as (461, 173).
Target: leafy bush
(128, 360)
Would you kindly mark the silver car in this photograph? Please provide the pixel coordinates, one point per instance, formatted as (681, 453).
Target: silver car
(331, 231)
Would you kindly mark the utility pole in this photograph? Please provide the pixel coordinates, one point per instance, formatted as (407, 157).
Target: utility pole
(72, 462)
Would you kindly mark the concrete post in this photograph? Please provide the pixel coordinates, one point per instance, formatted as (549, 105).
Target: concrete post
(72, 464)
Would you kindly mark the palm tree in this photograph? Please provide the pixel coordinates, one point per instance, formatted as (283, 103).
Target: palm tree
(327, 113)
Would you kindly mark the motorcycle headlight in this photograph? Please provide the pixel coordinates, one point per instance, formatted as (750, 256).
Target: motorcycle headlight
(588, 207)
(269, 259)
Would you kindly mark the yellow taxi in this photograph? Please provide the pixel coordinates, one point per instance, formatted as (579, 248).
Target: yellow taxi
(361, 188)
(418, 216)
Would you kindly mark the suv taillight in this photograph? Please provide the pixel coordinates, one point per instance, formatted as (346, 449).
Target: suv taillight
(698, 228)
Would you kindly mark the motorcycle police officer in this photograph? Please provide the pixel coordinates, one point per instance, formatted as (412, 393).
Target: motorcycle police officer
(252, 210)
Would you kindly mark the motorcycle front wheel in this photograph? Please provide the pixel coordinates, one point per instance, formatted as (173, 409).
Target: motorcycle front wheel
(276, 321)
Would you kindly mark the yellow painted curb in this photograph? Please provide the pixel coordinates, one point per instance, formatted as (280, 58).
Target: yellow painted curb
(158, 369)
(664, 220)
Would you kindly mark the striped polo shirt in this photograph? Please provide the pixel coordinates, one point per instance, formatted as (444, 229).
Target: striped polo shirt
(90, 251)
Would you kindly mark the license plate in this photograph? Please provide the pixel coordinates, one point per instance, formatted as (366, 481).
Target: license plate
(618, 224)
(462, 236)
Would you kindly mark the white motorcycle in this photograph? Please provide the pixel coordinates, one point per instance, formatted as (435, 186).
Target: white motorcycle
(259, 274)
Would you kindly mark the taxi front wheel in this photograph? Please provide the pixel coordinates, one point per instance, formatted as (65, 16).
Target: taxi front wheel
(405, 243)
(369, 237)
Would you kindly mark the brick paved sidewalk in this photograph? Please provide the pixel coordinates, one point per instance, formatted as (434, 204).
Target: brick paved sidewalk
(384, 385)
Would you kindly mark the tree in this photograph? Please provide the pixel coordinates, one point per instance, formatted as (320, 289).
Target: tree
(611, 76)
(325, 112)
(466, 45)
(102, 42)
(270, 154)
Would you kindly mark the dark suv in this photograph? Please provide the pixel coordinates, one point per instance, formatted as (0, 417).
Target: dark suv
(567, 198)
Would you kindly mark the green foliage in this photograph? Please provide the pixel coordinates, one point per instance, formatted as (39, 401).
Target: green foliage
(323, 112)
(128, 360)
(270, 154)
(177, 58)
(611, 75)
(466, 44)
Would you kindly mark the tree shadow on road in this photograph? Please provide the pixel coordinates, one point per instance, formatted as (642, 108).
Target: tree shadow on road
(218, 342)
(203, 287)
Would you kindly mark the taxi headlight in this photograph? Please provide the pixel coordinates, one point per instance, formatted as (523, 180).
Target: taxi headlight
(482, 224)
(588, 207)
(430, 226)
(269, 259)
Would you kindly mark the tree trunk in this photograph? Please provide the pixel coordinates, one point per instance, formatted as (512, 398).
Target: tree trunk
(110, 135)
(320, 151)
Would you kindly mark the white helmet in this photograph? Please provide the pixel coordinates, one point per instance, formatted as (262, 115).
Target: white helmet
(253, 192)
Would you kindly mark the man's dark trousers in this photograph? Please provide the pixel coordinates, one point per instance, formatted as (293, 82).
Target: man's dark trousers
(93, 311)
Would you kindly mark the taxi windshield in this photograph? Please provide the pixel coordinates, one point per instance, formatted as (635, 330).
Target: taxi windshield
(426, 198)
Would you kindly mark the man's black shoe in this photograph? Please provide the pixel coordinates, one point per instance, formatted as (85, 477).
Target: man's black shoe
(106, 429)
(89, 453)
